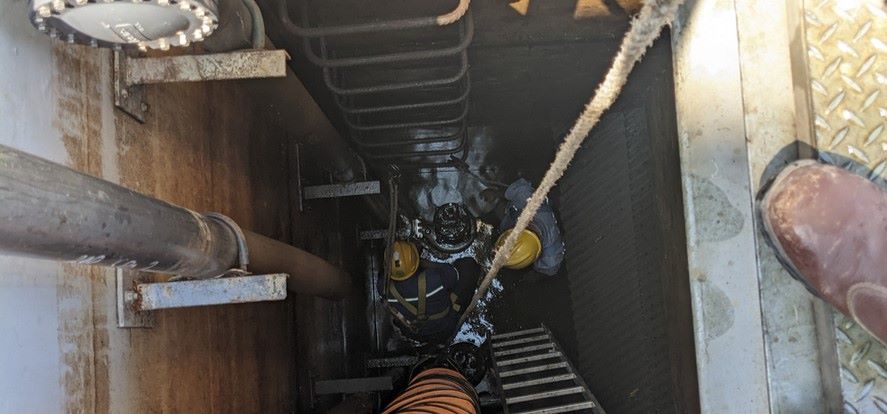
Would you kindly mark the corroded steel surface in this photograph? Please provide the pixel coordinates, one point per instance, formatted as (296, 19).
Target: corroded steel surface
(221, 66)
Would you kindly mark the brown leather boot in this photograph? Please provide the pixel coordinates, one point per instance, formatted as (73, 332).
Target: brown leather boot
(829, 227)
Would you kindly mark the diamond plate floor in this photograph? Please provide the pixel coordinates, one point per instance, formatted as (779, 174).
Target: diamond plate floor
(847, 46)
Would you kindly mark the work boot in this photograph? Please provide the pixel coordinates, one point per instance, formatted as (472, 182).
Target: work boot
(829, 227)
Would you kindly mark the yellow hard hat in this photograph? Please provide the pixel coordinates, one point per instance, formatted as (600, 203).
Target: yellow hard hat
(404, 260)
(525, 252)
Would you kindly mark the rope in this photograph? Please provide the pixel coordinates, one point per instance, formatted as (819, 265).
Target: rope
(645, 28)
(392, 224)
(393, 184)
(454, 15)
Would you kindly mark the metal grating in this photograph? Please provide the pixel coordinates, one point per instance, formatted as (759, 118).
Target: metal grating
(847, 47)
(538, 379)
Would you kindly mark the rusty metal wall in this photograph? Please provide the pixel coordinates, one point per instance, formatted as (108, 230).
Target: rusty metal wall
(218, 146)
(846, 51)
(621, 211)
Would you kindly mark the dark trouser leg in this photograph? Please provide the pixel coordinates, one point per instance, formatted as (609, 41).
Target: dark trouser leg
(469, 273)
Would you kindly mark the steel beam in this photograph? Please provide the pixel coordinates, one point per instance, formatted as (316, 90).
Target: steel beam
(517, 333)
(539, 381)
(530, 370)
(221, 291)
(544, 395)
(244, 64)
(560, 409)
(531, 358)
(342, 190)
(377, 234)
(392, 362)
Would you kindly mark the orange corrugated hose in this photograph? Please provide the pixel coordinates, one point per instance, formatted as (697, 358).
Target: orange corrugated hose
(436, 391)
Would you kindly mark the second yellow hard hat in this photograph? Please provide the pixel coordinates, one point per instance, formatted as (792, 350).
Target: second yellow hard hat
(525, 252)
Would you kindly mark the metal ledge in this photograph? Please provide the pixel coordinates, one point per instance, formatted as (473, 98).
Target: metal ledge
(136, 301)
(245, 64)
(131, 74)
(342, 190)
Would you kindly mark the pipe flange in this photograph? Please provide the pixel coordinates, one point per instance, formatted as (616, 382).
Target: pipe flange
(126, 24)
(242, 248)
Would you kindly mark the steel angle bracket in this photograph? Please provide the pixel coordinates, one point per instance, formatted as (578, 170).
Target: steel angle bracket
(136, 300)
(128, 98)
(127, 315)
(342, 190)
(131, 74)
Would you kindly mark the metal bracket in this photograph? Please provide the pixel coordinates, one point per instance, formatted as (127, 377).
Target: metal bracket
(129, 98)
(131, 74)
(376, 234)
(136, 301)
(242, 64)
(392, 362)
(342, 190)
(127, 315)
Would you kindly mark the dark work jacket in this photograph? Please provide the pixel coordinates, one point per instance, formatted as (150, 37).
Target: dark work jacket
(447, 292)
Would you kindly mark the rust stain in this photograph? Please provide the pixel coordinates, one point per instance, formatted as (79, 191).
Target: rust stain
(78, 119)
(76, 338)
(209, 147)
(78, 114)
(102, 287)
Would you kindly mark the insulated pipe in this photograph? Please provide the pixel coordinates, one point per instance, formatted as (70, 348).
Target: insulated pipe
(49, 211)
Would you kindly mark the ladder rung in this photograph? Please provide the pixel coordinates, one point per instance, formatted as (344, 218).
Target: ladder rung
(524, 349)
(543, 395)
(540, 381)
(530, 358)
(516, 333)
(520, 341)
(530, 370)
(558, 409)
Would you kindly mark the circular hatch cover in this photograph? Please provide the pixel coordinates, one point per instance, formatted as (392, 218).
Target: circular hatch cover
(143, 24)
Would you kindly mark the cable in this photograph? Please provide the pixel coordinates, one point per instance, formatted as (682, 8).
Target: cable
(257, 38)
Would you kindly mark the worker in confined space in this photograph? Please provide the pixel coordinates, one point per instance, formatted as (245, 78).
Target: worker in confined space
(541, 244)
(426, 298)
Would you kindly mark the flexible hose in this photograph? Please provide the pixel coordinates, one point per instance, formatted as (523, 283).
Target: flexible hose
(258, 34)
(436, 390)
(645, 28)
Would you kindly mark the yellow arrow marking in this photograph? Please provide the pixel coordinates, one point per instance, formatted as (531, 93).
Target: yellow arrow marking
(590, 8)
(521, 6)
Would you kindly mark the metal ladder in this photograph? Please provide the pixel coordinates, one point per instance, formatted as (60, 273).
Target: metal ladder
(535, 377)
